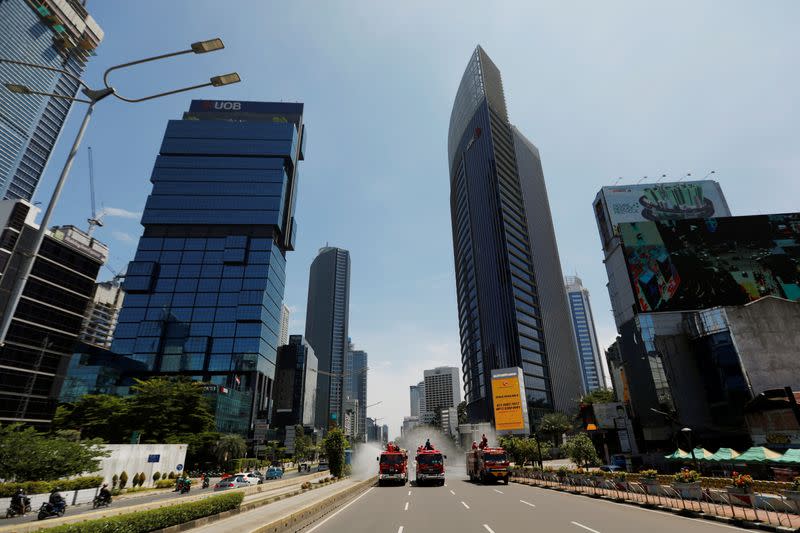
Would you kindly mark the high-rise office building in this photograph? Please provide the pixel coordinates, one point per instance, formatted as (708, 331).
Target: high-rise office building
(591, 359)
(205, 289)
(295, 392)
(48, 319)
(509, 284)
(442, 388)
(283, 335)
(355, 370)
(54, 33)
(102, 314)
(327, 317)
(421, 391)
(413, 393)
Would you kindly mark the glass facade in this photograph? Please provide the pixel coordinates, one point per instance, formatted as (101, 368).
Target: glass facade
(205, 289)
(589, 356)
(30, 125)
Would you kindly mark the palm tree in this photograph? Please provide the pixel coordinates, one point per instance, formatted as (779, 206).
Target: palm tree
(230, 446)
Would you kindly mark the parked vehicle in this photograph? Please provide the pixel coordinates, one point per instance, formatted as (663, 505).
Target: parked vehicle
(429, 466)
(323, 465)
(392, 465)
(610, 468)
(48, 509)
(487, 464)
(274, 472)
(233, 482)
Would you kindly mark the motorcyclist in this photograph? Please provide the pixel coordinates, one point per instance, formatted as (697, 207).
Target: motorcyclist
(56, 500)
(18, 501)
(104, 494)
(206, 480)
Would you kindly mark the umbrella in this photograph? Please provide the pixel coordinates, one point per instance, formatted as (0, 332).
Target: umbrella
(677, 455)
(701, 454)
(790, 457)
(757, 455)
(724, 455)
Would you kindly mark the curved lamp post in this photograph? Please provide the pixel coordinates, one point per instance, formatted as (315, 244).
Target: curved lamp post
(92, 97)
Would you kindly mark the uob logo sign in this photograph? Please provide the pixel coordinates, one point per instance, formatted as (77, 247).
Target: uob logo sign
(223, 106)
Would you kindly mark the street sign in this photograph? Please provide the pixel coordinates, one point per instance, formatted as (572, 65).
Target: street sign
(179, 467)
(153, 458)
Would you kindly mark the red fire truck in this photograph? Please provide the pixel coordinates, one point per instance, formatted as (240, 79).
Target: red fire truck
(430, 466)
(393, 465)
(487, 464)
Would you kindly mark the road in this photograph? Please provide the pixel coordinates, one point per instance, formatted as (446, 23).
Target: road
(461, 506)
(147, 497)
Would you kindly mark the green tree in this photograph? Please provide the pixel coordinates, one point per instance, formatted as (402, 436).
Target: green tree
(123, 479)
(462, 413)
(302, 444)
(201, 452)
(555, 424)
(580, 449)
(27, 455)
(334, 444)
(230, 446)
(599, 396)
(161, 408)
(96, 416)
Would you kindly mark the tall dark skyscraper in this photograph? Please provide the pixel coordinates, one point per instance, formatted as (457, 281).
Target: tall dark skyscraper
(205, 289)
(54, 33)
(355, 369)
(511, 301)
(327, 317)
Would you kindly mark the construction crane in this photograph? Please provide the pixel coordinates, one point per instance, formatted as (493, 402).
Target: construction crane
(95, 220)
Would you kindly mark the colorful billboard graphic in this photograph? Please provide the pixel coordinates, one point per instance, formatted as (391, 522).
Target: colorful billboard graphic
(693, 264)
(508, 396)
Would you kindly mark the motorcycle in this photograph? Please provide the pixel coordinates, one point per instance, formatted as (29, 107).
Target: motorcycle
(14, 510)
(47, 510)
(100, 502)
(185, 486)
(205, 482)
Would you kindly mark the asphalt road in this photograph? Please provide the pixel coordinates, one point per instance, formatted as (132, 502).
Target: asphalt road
(461, 506)
(154, 496)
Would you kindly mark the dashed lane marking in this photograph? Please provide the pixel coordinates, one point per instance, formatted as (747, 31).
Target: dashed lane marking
(465, 505)
(409, 493)
(400, 529)
(487, 528)
(499, 491)
(527, 503)
(587, 528)
(453, 493)
(406, 507)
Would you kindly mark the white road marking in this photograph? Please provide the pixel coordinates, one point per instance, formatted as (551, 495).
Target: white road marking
(453, 493)
(400, 530)
(409, 493)
(527, 503)
(585, 527)
(406, 508)
(499, 491)
(488, 528)
(342, 509)
(465, 505)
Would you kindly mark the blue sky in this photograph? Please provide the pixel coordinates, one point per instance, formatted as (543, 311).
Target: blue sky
(604, 89)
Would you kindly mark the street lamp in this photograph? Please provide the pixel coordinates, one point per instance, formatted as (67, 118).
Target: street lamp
(93, 96)
(688, 432)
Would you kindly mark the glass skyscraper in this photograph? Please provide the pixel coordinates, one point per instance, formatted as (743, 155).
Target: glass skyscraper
(327, 320)
(54, 33)
(355, 369)
(205, 289)
(593, 371)
(512, 306)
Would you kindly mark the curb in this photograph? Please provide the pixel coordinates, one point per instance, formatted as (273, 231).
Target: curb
(737, 522)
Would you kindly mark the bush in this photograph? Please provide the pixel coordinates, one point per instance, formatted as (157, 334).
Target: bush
(144, 521)
(164, 484)
(43, 487)
(171, 475)
(156, 477)
(123, 479)
(114, 481)
(649, 473)
(686, 476)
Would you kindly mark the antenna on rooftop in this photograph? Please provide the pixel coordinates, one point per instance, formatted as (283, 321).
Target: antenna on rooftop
(641, 180)
(618, 180)
(688, 175)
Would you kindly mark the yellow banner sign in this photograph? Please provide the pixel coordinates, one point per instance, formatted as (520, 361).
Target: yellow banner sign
(508, 414)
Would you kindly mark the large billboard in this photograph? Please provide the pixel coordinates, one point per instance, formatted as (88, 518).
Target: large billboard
(508, 398)
(694, 264)
(658, 201)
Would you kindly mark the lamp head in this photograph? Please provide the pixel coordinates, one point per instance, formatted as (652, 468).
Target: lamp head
(17, 88)
(212, 45)
(225, 79)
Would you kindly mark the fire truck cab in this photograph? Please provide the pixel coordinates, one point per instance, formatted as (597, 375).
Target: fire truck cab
(487, 464)
(429, 466)
(392, 465)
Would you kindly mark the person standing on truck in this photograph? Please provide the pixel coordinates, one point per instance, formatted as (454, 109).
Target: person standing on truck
(484, 442)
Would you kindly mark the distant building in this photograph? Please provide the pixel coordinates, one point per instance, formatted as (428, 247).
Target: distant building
(449, 421)
(356, 383)
(59, 34)
(350, 425)
(48, 319)
(512, 305)
(283, 335)
(327, 318)
(442, 388)
(409, 423)
(295, 389)
(591, 359)
(414, 399)
(102, 314)
(371, 430)
(385, 434)
(421, 391)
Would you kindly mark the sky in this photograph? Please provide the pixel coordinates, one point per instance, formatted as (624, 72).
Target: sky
(606, 90)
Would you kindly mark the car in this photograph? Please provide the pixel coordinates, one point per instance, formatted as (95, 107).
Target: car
(610, 468)
(323, 465)
(251, 477)
(233, 482)
(273, 472)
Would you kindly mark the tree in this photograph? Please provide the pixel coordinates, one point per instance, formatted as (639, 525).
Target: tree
(27, 455)
(96, 416)
(524, 449)
(156, 476)
(599, 396)
(123, 480)
(334, 444)
(161, 408)
(555, 424)
(580, 449)
(230, 446)
(302, 444)
(201, 452)
(462, 413)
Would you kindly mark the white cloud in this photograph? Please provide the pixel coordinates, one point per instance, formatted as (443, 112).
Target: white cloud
(120, 213)
(122, 236)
